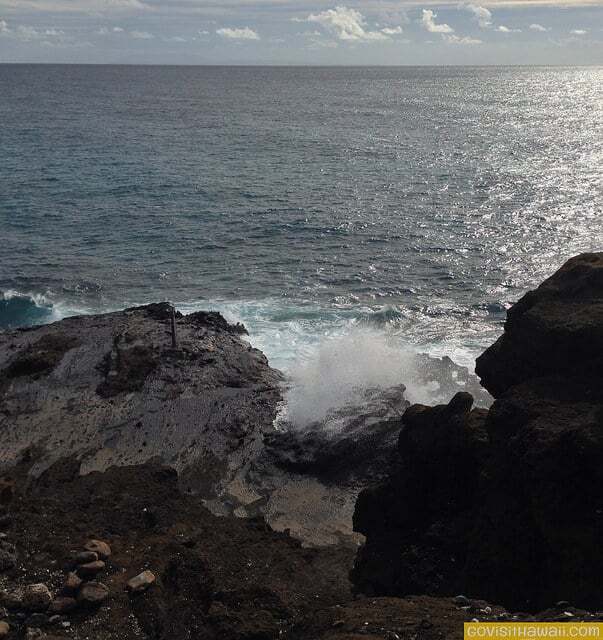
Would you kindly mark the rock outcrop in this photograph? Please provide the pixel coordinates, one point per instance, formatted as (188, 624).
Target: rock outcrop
(111, 390)
(505, 504)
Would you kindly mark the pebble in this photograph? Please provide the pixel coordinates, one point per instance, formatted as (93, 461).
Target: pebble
(36, 597)
(72, 583)
(4, 629)
(562, 604)
(93, 593)
(102, 549)
(37, 620)
(84, 557)
(62, 605)
(90, 569)
(141, 582)
(34, 634)
(461, 601)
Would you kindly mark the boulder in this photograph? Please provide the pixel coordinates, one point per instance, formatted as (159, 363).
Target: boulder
(4, 629)
(504, 504)
(557, 329)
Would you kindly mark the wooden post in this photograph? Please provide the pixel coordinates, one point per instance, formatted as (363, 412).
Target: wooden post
(174, 342)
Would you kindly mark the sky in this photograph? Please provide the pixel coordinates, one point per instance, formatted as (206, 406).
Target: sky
(305, 32)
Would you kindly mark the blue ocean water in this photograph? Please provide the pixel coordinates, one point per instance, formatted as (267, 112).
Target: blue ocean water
(313, 204)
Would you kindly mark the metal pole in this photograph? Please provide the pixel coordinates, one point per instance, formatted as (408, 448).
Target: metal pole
(174, 342)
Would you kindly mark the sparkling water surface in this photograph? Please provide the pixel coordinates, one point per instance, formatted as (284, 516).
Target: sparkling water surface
(307, 202)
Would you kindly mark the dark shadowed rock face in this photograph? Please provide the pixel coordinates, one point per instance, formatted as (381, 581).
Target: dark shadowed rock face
(110, 390)
(505, 504)
(557, 329)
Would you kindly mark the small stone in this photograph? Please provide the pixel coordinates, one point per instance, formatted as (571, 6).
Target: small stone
(4, 629)
(99, 547)
(36, 597)
(461, 601)
(93, 593)
(90, 569)
(37, 620)
(62, 605)
(34, 634)
(72, 583)
(11, 600)
(85, 557)
(562, 604)
(141, 582)
(54, 619)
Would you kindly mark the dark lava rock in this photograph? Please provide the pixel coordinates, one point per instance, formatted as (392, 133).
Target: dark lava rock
(506, 504)
(557, 329)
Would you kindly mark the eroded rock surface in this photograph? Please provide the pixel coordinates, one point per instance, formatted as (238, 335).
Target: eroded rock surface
(110, 390)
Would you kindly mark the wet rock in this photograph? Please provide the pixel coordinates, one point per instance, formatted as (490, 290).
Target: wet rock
(62, 605)
(92, 594)
(36, 597)
(141, 582)
(90, 569)
(4, 629)
(99, 547)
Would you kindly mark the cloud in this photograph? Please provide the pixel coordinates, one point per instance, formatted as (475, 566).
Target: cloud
(4, 26)
(428, 20)
(481, 14)
(392, 31)
(141, 35)
(579, 32)
(454, 39)
(238, 34)
(538, 27)
(504, 29)
(346, 24)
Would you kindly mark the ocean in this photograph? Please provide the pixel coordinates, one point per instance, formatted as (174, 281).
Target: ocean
(348, 216)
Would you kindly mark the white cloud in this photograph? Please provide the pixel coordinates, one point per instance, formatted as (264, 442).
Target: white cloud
(538, 27)
(504, 29)
(579, 32)
(141, 35)
(117, 30)
(454, 39)
(429, 23)
(391, 31)
(481, 14)
(238, 34)
(4, 26)
(346, 24)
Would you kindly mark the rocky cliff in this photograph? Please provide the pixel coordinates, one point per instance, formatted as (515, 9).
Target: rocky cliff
(506, 504)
